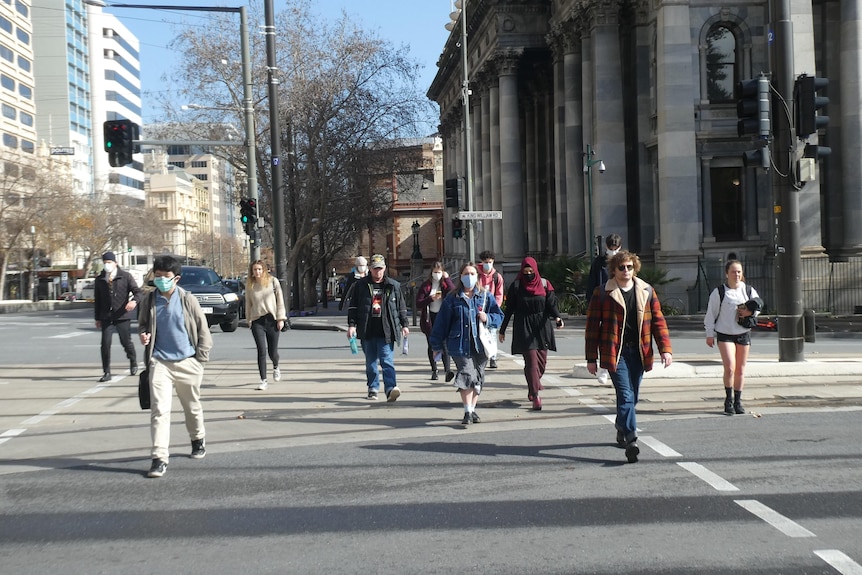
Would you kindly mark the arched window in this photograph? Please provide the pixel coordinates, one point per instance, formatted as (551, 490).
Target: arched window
(720, 64)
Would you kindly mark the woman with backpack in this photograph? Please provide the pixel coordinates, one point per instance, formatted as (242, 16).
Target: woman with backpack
(266, 315)
(532, 302)
(729, 318)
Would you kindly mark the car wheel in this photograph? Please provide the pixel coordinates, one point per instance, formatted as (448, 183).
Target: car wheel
(229, 326)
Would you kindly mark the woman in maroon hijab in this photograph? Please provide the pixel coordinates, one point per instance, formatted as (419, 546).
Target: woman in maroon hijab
(533, 303)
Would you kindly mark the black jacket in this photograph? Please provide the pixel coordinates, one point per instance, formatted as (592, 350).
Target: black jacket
(111, 299)
(394, 311)
(534, 317)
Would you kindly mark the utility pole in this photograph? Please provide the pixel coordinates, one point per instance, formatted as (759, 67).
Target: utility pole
(275, 144)
(788, 253)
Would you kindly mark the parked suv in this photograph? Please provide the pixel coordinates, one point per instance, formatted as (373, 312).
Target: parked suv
(218, 301)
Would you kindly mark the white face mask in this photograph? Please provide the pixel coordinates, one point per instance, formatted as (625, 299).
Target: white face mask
(437, 276)
(109, 267)
(361, 269)
(612, 253)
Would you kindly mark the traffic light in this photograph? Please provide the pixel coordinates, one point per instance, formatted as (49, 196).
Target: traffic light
(453, 193)
(807, 104)
(120, 136)
(248, 215)
(752, 107)
(758, 158)
(457, 228)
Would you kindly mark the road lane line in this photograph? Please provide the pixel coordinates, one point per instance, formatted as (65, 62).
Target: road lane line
(717, 482)
(659, 447)
(774, 518)
(9, 434)
(839, 561)
(39, 418)
(64, 335)
(571, 391)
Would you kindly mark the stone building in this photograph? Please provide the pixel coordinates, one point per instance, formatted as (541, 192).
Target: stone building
(648, 87)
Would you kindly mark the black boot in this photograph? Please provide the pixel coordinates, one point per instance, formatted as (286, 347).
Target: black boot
(737, 403)
(728, 400)
(133, 366)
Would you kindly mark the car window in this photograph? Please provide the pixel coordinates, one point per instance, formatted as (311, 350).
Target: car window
(199, 277)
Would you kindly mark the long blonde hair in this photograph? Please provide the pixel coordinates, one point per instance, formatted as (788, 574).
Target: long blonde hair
(265, 279)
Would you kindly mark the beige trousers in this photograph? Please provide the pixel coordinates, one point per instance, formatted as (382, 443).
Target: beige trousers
(185, 376)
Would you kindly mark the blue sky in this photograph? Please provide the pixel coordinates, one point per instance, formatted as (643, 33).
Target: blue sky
(415, 23)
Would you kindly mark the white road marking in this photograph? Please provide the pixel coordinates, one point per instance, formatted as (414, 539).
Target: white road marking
(777, 520)
(7, 435)
(38, 418)
(552, 379)
(718, 483)
(839, 561)
(571, 391)
(659, 447)
(64, 335)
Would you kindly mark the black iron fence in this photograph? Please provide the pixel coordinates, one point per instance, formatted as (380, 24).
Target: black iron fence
(827, 287)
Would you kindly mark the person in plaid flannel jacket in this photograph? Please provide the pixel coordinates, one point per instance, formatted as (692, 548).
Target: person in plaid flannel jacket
(623, 319)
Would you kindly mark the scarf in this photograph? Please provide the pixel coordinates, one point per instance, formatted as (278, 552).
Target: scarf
(535, 286)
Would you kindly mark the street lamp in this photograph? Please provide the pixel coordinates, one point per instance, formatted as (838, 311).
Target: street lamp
(461, 11)
(33, 281)
(589, 162)
(248, 106)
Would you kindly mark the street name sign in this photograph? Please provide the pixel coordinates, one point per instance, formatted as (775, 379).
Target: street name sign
(62, 151)
(492, 215)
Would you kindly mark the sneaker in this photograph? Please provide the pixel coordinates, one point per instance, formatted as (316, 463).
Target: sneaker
(263, 385)
(737, 408)
(475, 417)
(450, 375)
(372, 395)
(393, 394)
(621, 438)
(276, 374)
(467, 419)
(198, 449)
(434, 376)
(492, 364)
(632, 451)
(106, 377)
(728, 406)
(158, 468)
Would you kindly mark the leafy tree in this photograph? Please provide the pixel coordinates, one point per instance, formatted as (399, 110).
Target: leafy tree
(344, 95)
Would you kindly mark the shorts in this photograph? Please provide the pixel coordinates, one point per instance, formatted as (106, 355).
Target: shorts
(738, 339)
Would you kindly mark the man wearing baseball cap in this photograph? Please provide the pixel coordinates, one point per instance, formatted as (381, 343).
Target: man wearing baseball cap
(116, 295)
(374, 311)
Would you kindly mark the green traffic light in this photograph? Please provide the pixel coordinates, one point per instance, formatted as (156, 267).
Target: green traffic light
(109, 144)
(245, 219)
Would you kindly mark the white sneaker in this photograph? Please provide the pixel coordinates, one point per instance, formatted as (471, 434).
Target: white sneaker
(263, 385)
(276, 374)
(602, 376)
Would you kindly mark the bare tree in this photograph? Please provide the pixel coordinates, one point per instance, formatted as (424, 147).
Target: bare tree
(344, 91)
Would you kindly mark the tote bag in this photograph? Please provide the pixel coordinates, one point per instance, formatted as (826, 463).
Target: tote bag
(486, 337)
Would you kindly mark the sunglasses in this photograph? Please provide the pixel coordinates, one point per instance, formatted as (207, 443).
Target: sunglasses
(625, 267)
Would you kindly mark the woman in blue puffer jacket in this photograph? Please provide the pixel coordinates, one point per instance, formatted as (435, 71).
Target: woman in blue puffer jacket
(457, 323)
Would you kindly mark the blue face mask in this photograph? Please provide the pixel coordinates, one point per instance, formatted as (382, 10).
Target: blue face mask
(164, 284)
(469, 281)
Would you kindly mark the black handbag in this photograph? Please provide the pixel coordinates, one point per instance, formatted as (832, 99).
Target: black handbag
(144, 388)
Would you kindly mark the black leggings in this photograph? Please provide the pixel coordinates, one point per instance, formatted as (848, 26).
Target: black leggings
(265, 333)
(447, 364)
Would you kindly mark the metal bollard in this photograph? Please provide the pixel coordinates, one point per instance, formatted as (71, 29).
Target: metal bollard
(809, 325)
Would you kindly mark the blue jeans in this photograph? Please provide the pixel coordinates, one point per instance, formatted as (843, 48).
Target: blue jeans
(627, 381)
(377, 349)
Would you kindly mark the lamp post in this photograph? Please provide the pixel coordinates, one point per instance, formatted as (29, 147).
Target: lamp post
(33, 281)
(461, 11)
(589, 162)
(416, 257)
(247, 103)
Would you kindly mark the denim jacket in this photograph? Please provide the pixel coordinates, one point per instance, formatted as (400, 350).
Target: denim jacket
(456, 322)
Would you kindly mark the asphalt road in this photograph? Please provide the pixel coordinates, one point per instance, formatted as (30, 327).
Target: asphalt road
(309, 477)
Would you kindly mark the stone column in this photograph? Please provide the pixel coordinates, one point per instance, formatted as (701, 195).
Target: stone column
(531, 212)
(850, 124)
(559, 207)
(487, 196)
(575, 230)
(676, 143)
(496, 176)
(510, 155)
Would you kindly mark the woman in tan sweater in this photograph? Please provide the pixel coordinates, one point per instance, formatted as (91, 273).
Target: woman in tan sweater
(265, 313)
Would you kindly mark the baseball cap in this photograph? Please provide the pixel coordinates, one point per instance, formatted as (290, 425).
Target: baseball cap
(109, 257)
(378, 261)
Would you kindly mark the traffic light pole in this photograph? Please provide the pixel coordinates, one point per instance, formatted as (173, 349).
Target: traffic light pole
(788, 253)
(279, 241)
